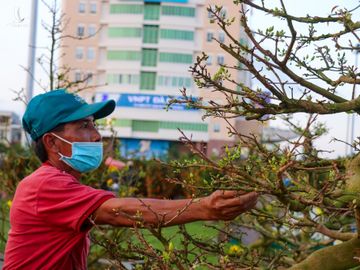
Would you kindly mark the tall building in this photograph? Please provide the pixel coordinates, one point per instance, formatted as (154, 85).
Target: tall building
(139, 53)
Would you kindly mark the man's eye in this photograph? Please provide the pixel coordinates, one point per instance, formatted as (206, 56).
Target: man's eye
(87, 124)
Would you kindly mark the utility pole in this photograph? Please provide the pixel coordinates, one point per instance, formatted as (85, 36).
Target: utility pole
(31, 51)
(31, 62)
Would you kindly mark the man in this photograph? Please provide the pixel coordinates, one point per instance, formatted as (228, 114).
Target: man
(52, 212)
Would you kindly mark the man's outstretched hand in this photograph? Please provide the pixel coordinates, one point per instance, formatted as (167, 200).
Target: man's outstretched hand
(227, 205)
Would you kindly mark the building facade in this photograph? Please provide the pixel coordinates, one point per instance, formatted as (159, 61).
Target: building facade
(139, 53)
(10, 128)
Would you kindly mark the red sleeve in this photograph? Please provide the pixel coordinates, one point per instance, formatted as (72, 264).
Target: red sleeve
(64, 202)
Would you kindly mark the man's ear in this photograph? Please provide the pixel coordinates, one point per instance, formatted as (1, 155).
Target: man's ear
(50, 143)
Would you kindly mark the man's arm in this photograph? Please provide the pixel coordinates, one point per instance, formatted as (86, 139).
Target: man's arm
(220, 205)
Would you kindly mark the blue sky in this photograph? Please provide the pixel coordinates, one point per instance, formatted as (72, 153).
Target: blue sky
(14, 27)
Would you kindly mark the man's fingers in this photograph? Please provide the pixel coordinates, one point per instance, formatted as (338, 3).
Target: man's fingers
(228, 193)
(247, 204)
(234, 193)
(248, 198)
(233, 206)
(228, 204)
(238, 209)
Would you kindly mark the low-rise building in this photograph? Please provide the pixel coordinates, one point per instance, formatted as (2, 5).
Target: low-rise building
(10, 127)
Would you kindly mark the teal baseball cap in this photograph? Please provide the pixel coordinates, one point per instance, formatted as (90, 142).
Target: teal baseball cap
(46, 111)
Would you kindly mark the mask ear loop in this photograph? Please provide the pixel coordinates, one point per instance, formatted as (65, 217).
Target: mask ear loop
(64, 140)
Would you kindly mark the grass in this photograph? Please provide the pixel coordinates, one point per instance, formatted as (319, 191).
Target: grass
(200, 231)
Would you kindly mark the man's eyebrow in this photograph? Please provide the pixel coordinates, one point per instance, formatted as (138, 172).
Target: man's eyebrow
(85, 120)
(80, 121)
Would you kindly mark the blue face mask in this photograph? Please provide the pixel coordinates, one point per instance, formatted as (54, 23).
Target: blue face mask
(85, 157)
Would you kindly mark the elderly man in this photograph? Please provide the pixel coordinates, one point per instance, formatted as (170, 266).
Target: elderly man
(52, 212)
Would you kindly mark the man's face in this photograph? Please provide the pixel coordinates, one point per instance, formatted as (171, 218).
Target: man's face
(83, 130)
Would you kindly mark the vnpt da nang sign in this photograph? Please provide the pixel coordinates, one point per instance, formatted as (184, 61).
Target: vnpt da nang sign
(143, 101)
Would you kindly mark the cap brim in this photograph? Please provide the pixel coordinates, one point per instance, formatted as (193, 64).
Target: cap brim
(98, 110)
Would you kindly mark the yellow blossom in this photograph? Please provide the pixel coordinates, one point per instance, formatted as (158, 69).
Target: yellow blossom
(235, 250)
(9, 203)
(109, 182)
(318, 211)
(112, 168)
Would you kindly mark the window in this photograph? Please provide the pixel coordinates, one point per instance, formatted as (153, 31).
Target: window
(89, 77)
(176, 34)
(114, 78)
(126, 9)
(151, 34)
(223, 12)
(178, 11)
(174, 82)
(210, 14)
(149, 57)
(144, 125)
(209, 60)
(184, 126)
(77, 76)
(122, 122)
(3, 134)
(147, 80)
(220, 59)
(122, 79)
(243, 42)
(80, 31)
(179, 58)
(216, 127)
(93, 8)
(79, 53)
(170, 81)
(221, 37)
(92, 30)
(124, 55)
(91, 53)
(115, 32)
(151, 11)
(133, 78)
(81, 7)
(209, 36)
(160, 81)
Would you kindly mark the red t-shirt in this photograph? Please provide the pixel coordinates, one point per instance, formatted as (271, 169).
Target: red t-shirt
(46, 218)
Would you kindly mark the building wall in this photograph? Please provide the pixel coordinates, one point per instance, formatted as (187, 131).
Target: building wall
(212, 36)
(145, 49)
(80, 56)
